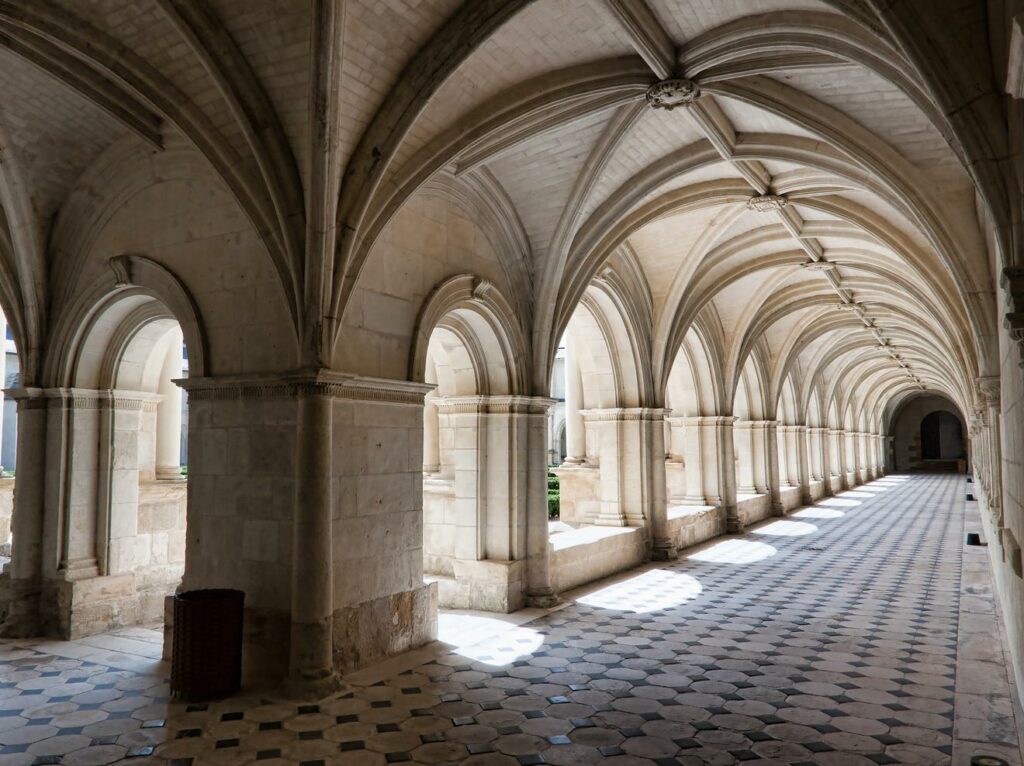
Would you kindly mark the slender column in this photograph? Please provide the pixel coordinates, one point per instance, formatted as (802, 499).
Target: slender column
(687, 443)
(25, 569)
(820, 444)
(870, 458)
(711, 448)
(990, 389)
(770, 441)
(799, 462)
(743, 434)
(722, 431)
(837, 460)
(311, 673)
(662, 546)
(539, 590)
(168, 414)
(431, 445)
(575, 431)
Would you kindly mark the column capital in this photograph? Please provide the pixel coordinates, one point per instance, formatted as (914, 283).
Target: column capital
(707, 420)
(286, 385)
(624, 413)
(494, 405)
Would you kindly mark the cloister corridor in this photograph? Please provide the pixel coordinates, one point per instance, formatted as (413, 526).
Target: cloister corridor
(858, 630)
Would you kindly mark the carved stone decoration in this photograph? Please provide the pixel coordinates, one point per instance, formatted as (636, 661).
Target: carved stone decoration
(1012, 282)
(673, 92)
(989, 385)
(482, 288)
(122, 268)
(767, 203)
(818, 266)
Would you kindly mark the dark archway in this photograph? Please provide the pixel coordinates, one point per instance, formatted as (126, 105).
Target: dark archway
(942, 438)
(929, 434)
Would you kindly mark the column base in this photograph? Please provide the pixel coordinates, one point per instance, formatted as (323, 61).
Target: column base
(664, 550)
(374, 630)
(169, 473)
(488, 586)
(778, 509)
(19, 600)
(313, 688)
(733, 526)
(574, 461)
(542, 598)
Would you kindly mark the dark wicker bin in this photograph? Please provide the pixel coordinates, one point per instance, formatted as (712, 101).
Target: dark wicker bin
(206, 660)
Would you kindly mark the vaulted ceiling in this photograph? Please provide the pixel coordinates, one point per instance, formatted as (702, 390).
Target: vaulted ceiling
(792, 189)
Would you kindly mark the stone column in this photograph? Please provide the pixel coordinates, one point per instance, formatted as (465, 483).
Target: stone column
(799, 461)
(848, 445)
(837, 460)
(869, 456)
(431, 448)
(816, 448)
(24, 574)
(168, 415)
(711, 466)
(770, 441)
(662, 546)
(990, 389)
(540, 592)
(575, 431)
(743, 435)
(327, 538)
(311, 667)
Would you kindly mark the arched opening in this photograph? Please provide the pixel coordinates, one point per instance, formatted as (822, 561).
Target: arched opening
(941, 437)
(929, 434)
(753, 446)
(472, 453)
(10, 378)
(601, 382)
(124, 444)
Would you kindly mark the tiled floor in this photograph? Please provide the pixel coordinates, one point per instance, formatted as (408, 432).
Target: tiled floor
(830, 637)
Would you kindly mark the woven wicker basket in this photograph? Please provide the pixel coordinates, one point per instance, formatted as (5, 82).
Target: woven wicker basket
(206, 660)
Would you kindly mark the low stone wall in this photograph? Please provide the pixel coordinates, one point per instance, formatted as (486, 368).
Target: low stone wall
(439, 529)
(579, 490)
(817, 489)
(590, 553)
(790, 497)
(851, 479)
(691, 525)
(753, 508)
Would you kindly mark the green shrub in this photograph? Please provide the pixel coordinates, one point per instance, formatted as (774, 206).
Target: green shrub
(553, 504)
(552, 483)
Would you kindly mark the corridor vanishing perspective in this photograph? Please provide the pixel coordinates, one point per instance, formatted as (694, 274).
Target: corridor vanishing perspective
(639, 375)
(838, 636)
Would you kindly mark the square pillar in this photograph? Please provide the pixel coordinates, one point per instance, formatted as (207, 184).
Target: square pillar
(21, 583)
(305, 491)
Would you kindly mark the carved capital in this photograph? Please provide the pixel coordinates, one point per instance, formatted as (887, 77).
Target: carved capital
(989, 385)
(673, 92)
(766, 203)
(121, 265)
